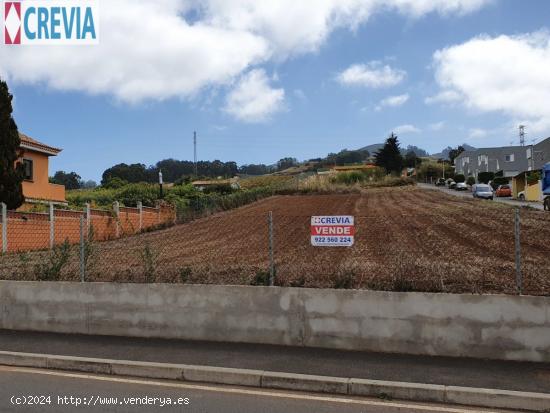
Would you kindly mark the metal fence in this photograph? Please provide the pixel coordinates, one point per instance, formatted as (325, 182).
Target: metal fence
(394, 250)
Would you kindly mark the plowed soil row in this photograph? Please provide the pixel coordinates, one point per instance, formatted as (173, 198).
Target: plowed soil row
(407, 239)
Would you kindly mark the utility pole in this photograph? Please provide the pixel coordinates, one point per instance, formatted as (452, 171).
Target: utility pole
(161, 194)
(195, 151)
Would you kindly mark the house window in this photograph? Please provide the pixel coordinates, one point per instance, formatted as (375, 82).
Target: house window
(28, 169)
(509, 158)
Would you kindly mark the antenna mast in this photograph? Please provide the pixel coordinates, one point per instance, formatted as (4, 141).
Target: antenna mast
(522, 135)
(195, 151)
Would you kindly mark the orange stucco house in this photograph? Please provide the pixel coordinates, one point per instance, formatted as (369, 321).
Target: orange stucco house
(36, 186)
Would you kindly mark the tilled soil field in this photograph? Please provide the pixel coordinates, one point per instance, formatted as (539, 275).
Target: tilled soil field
(407, 239)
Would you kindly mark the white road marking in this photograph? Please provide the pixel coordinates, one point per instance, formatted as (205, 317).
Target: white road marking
(234, 390)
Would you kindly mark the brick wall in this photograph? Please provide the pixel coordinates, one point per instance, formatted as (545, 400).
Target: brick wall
(27, 231)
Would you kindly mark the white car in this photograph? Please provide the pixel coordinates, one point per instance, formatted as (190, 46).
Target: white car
(461, 186)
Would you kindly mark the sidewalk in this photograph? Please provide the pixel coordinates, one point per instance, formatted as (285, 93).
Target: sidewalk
(519, 376)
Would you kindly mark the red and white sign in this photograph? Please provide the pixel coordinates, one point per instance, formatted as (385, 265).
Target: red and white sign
(332, 231)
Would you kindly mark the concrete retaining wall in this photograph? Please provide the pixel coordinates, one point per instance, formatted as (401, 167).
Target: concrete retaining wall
(499, 327)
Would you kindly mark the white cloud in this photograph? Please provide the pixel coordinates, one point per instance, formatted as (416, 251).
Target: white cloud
(437, 126)
(405, 129)
(253, 99)
(507, 74)
(372, 74)
(477, 133)
(393, 101)
(145, 53)
(293, 27)
(149, 51)
(446, 96)
(300, 95)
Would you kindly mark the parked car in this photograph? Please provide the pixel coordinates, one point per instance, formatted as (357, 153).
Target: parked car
(440, 182)
(452, 184)
(483, 191)
(461, 186)
(503, 190)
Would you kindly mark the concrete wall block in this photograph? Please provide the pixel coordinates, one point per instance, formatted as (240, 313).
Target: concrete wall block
(398, 390)
(497, 398)
(78, 364)
(238, 377)
(147, 369)
(9, 358)
(497, 327)
(305, 382)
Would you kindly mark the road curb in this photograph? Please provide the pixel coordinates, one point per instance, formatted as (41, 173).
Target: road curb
(419, 392)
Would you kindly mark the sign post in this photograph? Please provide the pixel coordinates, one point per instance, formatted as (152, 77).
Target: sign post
(332, 231)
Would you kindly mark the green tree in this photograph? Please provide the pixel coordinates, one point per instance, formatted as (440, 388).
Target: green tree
(286, 163)
(471, 181)
(70, 180)
(454, 153)
(132, 173)
(11, 170)
(411, 160)
(389, 157)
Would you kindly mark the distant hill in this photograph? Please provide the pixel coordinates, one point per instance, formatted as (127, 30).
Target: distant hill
(444, 154)
(373, 148)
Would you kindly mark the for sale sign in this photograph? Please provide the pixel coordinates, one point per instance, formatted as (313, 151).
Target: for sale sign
(332, 231)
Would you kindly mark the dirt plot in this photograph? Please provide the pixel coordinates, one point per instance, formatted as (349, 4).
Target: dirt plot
(407, 239)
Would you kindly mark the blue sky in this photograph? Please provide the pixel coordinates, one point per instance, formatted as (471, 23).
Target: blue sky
(260, 87)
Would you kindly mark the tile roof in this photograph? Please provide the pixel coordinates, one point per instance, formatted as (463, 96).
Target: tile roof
(29, 143)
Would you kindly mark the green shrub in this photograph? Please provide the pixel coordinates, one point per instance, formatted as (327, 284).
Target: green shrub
(50, 270)
(149, 259)
(485, 177)
(344, 281)
(471, 181)
(533, 177)
(459, 178)
(260, 279)
(185, 274)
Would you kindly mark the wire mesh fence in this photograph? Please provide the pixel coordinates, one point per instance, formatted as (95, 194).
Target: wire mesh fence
(401, 244)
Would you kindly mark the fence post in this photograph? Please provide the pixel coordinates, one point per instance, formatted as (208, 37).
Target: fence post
(4, 227)
(52, 226)
(158, 214)
(82, 250)
(271, 252)
(88, 217)
(519, 280)
(116, 208)
(140, 209)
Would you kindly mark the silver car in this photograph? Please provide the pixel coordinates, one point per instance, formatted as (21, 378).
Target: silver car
(483, 191)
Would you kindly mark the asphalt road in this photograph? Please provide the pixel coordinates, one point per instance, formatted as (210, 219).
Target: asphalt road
(108, 394)
(468, 194)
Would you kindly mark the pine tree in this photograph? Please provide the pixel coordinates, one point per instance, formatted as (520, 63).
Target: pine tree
(11, 171)
(389, 157)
